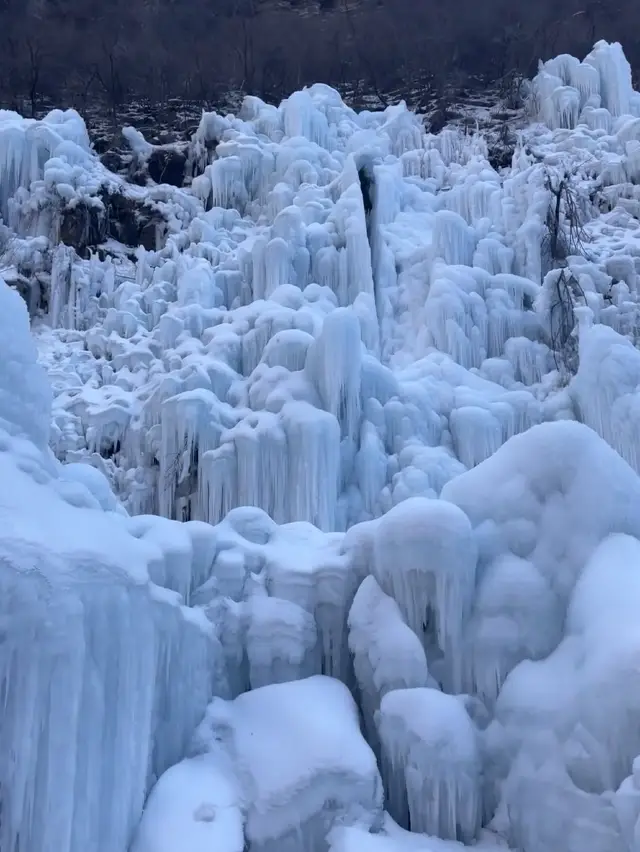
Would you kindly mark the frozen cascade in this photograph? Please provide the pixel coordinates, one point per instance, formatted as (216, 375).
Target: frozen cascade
(26, 146)
(387, 654)
(424, 556)
(343, 368)
(294, 266)
(431, 763)
(103, 673)
(334, 362)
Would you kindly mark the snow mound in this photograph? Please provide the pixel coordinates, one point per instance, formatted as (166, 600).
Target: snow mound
(572, 713)
(395, 839)
(300, 760)
(537, 510)
(196, 806)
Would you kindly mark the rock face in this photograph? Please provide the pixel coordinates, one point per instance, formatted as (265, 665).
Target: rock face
(167, 165)
(130, 221)
(82, 226)
(111, 215)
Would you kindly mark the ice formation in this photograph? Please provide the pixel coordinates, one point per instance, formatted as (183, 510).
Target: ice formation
(298, 760)
(103, 673)
(387, 654)
(344, 430)
(430, 763)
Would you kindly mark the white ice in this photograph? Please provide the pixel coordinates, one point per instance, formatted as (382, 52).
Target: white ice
(195, 806)
(299, 760)
(399, 426)
(430, 763)
(103, 674)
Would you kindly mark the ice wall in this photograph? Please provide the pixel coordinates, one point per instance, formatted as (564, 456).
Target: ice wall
(103, 674)
(249, 347)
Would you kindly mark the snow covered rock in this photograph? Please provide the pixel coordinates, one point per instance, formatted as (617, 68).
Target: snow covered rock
(393, 838)
(536, 503)
(300, 761)
(586, 689)
(195, 806)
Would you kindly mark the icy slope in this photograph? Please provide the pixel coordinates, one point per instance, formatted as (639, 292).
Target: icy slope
(400, 388)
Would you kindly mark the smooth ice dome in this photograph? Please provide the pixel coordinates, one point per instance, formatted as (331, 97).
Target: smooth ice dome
(196, 805)
(319, 522)
(295, 756)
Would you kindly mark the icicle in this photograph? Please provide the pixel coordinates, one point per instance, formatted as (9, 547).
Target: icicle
(278, 265)
(313, 439)
(387, 654)
(425, 558)
(333, 364)
(431, 763)
(453, 240)
(226, 177)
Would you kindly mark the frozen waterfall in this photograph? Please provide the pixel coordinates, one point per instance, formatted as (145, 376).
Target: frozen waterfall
(319, 511)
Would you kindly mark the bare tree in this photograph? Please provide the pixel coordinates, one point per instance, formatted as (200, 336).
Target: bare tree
(117, 50)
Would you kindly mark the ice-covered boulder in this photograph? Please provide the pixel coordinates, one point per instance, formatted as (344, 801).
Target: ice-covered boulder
(197, 806)
(537, 503)
(300, 761)
(393, 838)
(586, 690)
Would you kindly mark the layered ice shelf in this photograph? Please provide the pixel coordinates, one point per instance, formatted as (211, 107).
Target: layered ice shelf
(323, 532)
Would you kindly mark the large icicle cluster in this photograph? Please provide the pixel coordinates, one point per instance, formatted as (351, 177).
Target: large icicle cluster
(103, 672)
(240, 364)
(392, 393)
